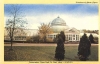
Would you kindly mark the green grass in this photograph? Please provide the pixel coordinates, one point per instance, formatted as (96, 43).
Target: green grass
(44, 53)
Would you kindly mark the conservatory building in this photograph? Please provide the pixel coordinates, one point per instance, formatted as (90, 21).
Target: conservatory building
(58, 25)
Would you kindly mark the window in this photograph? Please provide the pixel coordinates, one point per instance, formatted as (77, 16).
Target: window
(70, 37)
(50, 36)
(66, 37)
(73, 35)
(73, 38)
(77, 37)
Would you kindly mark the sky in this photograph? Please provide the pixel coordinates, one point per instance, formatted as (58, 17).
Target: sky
(79, 16)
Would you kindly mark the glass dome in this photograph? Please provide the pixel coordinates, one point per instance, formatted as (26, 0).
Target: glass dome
(58, 25)
(58, 21)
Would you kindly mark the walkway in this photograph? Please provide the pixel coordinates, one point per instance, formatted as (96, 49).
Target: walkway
(42, 44)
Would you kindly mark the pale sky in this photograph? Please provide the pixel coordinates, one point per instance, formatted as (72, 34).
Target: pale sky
(79, 16)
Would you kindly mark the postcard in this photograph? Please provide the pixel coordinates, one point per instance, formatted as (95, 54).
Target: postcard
(37, 32)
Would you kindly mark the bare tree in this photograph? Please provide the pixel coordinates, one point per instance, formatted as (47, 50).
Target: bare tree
(14, 21)
(45, 29)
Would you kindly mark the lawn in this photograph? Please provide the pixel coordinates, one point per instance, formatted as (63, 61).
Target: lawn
(44, 53)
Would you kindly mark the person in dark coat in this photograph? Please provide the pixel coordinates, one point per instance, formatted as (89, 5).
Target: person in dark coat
(59, 52)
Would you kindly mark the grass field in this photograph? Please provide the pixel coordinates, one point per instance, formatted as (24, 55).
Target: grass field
(44, 53)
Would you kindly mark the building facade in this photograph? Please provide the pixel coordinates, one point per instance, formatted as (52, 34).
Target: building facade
(20, 34)
(58, 25)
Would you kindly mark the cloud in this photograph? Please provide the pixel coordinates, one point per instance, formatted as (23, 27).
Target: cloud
(39, 9)
(80, 16)
(86, 22)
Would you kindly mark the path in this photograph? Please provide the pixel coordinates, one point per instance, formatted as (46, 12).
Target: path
(42, 44)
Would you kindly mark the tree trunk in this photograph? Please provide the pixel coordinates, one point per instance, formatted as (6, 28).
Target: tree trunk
(11, 43)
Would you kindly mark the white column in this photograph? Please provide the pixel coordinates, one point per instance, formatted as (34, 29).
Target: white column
(72, 38)
(78, 37)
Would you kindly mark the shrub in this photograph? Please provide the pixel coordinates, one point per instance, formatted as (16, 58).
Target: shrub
(84, 48)
(91, 38)
(60, 51)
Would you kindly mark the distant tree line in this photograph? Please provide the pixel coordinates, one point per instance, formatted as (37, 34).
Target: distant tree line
(91, 31)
